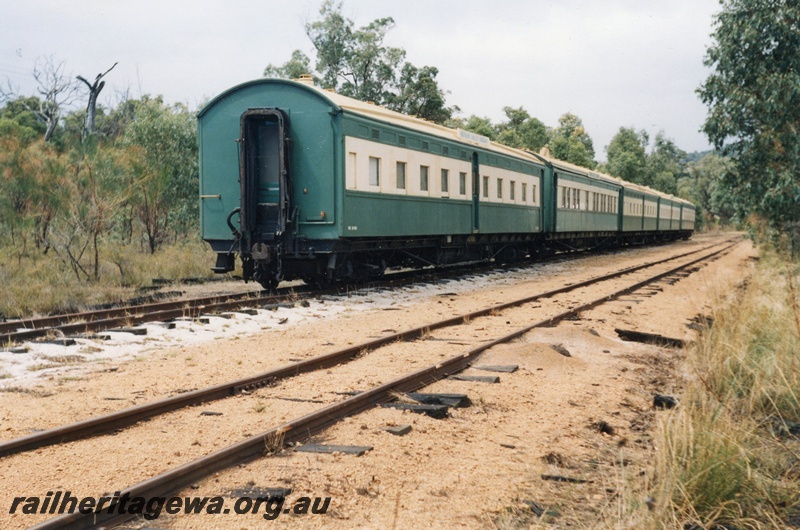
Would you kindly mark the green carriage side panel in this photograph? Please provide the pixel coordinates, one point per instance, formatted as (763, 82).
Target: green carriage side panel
(635, 223)
(509, 218)
(686, 222)
(651, 223)
(314, 159)
(665, 218)
(379, 214)
(631, 222)
(580, 221)
(574, 220)
(386, 215)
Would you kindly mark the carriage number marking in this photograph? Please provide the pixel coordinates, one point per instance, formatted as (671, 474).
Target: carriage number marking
(352, 228)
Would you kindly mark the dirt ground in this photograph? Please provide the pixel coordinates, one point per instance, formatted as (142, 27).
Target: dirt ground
(587, 416)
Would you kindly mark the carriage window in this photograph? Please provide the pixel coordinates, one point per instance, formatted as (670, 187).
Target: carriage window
(423, 178)
(445, 181)
(524, 191)
(401, 175)
(512, 189)
(499, 188)
(462, 183)
(374, 171)
(486, 186)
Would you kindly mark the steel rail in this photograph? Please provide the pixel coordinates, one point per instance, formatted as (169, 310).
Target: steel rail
(50, 321)
(31, 328)
(15, 331)
(126, 417)
(302, 428)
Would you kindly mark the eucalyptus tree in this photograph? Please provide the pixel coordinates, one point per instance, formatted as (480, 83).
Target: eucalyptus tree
(418, 94)
(666, 164)
(702, 186)
(299, 64)
(164, 168)
(521, 130)
(627, 155)
(753, 98)
(18, 110)
(571, 143)
(55, 89)
(94, 91)
(356, 62)
(477, 124)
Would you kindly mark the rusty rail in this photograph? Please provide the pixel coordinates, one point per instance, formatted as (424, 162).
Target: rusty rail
(126, 417)
(301, 428)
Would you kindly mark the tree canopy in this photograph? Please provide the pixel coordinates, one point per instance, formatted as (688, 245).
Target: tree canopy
(661, 169)
(570, 142)
(753, 96)
(627, 155)
(522, 130)
(133, 181)
(355, 62)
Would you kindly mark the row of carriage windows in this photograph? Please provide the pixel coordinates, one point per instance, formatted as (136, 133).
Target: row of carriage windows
(401, 171)
(570, 198)
(401, 176)
(512, 190)
(576, 199)
(636, 208)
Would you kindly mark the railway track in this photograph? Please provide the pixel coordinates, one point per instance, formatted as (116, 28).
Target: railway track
(303, 427)
(117, 420)
(126, 316)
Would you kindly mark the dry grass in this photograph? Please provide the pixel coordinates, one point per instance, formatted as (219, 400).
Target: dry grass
(729, 456)
(41, 283)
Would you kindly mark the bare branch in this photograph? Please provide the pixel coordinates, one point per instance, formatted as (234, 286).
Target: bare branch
(57, 90)
(91, 107)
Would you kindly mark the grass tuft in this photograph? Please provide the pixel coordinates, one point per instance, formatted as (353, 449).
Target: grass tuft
(39, 283)
(726, 455)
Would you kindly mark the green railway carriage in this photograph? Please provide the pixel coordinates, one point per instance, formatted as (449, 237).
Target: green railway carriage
(668, 213)
(586, 201)
(305, 183)
(639, 209)
(688, 216)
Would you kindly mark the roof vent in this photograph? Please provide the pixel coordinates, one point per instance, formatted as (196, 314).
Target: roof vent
(306, 79)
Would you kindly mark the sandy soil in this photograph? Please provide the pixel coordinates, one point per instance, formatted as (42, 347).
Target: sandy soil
(471, 470)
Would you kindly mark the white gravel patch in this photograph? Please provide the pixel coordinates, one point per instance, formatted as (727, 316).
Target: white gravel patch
(24, 364)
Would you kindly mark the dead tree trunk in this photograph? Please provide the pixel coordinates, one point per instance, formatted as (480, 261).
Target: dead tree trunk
(91, 108)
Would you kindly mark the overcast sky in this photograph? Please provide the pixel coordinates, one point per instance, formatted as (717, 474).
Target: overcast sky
(614, 63)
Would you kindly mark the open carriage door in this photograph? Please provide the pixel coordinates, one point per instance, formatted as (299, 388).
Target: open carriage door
(264, 177)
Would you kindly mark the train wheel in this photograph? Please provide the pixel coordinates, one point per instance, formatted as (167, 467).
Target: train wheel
(319, 281)
(267, 278)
